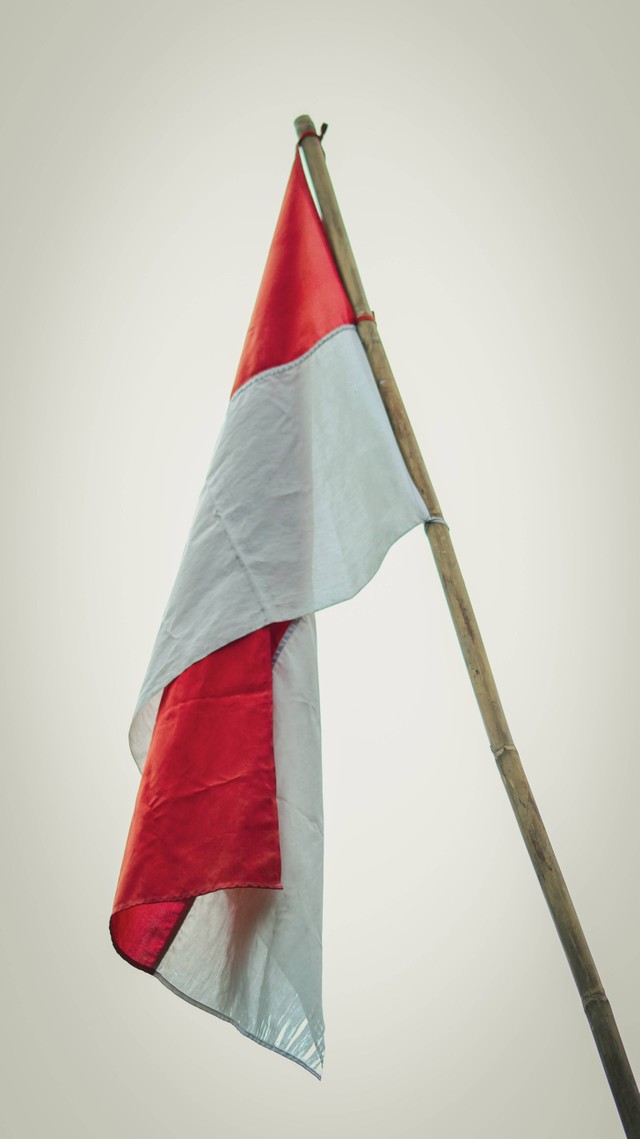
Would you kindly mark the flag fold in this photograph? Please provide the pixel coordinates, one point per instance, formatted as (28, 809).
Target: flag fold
(220, 892)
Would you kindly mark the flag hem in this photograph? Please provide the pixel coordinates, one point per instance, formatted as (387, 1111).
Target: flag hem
(234, 1023)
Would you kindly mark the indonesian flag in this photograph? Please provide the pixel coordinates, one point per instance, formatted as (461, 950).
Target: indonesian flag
(220, 892)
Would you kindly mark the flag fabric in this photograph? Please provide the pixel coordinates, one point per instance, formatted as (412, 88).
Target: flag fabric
(220, 891)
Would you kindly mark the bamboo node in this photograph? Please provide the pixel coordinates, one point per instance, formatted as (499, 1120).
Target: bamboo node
(498, 751)
(594, 995)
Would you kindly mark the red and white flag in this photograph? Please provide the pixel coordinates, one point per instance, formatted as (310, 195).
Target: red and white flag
(220, 892)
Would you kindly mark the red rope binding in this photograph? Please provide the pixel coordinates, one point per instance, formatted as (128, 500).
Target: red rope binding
(312, 134)
(366, 316)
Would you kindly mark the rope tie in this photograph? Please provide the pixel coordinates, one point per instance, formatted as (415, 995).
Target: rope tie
(313, 134)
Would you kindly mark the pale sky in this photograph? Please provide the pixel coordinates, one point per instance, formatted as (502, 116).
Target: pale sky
(486, 160)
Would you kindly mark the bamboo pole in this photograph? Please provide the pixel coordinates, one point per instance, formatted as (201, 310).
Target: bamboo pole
(594, 999)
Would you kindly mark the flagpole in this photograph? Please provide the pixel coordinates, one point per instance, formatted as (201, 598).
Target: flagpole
(594, 1000)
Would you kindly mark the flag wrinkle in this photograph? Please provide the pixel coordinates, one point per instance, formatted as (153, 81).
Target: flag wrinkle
(218, 511)
(263, 999)
(299, 811)
(159, 801)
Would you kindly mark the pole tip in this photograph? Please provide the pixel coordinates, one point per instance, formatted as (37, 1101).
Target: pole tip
(304, 123)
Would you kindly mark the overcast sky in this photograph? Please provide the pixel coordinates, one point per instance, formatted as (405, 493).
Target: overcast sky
(485, 156)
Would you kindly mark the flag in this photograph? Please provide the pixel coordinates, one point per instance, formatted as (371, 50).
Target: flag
(220, 891)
